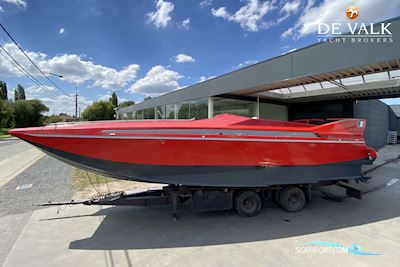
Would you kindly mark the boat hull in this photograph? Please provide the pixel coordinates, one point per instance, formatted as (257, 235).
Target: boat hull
(224, 151)
(215, 176)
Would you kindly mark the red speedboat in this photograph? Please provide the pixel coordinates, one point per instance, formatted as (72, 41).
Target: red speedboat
(224, 151)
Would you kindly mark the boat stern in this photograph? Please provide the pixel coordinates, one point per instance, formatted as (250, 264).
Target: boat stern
(372, 155)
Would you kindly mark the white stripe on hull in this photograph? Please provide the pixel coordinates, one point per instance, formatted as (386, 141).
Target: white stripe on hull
(203, 138)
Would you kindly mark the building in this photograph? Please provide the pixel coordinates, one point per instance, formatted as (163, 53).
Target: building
(324, 80)
(396, 122)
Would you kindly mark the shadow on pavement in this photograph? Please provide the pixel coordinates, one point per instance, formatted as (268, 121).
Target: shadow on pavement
(147, 228)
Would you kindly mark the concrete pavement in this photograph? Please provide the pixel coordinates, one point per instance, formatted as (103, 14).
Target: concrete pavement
(27, 177)
(129, 236)
(13, 164)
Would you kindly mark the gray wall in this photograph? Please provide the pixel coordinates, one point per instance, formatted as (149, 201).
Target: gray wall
(273, 112)
(377, 115)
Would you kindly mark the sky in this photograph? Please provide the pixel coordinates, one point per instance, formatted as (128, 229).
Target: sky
(145, 48)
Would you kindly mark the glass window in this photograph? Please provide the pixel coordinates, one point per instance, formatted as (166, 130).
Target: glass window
(199, 109)
(234, 106)
(148, 114)
(161, 112)
(170, 112)
(138, 115)
(183, 110)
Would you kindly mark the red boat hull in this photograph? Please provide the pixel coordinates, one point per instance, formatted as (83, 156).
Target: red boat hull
(224, 151)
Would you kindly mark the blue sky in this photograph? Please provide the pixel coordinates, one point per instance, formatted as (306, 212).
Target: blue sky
(145, 47)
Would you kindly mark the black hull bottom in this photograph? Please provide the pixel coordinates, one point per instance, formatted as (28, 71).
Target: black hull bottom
(214, 176)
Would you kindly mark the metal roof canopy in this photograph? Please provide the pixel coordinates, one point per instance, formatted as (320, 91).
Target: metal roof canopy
(316, 64)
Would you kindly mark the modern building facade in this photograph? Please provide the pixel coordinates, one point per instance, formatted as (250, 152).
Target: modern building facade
(324, 80)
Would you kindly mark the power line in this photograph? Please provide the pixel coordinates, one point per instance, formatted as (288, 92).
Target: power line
(27, 73)
(15, 42)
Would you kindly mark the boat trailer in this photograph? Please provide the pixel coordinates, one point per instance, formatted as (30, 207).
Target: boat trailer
(246, 201)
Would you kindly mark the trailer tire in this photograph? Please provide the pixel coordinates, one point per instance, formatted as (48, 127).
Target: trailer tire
(247, 203)
(276, 197)
(292, 199)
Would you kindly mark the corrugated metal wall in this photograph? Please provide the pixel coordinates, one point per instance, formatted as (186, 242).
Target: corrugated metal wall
(377, 115)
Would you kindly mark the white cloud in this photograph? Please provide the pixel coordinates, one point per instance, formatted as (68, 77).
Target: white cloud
(291, 7)
(246, 63)
(71, 66)
(105, 97)
(334, 11)
(18, 3)
(161, 16)
(185, 24)
(205, 78)
(61, 30)
(35, 91)
(289, 51)
(250, 16)
(158, 80)
(1, 10)
(182, 58)
(205, 3)
(61, 104)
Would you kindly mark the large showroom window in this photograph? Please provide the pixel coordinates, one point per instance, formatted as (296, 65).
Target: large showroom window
(234, 106)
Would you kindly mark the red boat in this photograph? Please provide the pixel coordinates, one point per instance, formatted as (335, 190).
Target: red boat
(224, 151)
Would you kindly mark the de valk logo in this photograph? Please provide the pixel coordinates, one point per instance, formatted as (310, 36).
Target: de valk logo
(352, 12)
(354, 31)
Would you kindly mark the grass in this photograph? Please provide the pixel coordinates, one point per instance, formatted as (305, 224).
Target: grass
(4, 133)
(80, 179)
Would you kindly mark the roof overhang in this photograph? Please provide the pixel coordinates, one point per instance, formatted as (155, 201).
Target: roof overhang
(389, 88)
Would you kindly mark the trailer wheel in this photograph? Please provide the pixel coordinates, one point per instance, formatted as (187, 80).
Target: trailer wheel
(292, 199)
(276, 196)
(248, 203)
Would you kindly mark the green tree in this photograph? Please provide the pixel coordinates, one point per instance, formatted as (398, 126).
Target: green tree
(52, 119)
(100, 110)
(19, 93)
(3, 90)
(6, 114)
(126, 104)
(29, 113)
(114, 99)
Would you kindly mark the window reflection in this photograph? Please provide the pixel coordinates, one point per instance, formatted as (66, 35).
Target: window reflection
(234, 106)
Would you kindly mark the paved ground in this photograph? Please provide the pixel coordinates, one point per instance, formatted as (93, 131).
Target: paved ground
(117, 236)
(27, 177)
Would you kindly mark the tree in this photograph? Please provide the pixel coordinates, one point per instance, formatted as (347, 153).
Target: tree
(29, 113)
(114, 99)
(19, 93)
(126, 104)
(147, 98)
(100, 110)
(6, 114)
(52, 119)
(3, 90)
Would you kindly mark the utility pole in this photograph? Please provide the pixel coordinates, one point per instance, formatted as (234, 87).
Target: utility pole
(76, 102)
(76, 93)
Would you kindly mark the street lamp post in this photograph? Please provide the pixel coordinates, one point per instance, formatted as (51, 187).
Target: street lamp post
(76, 93)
